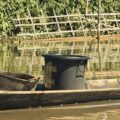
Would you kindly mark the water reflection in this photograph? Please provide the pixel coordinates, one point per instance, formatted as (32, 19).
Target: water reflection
(104, 115)
(13, 59)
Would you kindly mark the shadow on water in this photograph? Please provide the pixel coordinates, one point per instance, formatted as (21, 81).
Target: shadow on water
(106, 110)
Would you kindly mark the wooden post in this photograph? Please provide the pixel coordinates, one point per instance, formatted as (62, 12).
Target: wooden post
(98, 33)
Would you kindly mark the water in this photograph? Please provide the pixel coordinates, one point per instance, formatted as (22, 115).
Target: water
(109, 110)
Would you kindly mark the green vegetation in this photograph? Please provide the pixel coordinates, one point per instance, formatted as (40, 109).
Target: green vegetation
(9, 9)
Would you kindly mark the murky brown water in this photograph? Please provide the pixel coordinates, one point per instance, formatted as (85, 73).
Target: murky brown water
(109, 110)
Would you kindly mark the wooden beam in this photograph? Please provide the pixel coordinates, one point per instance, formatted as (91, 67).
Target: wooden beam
(102, 74)
(70, 15)
(70, 39)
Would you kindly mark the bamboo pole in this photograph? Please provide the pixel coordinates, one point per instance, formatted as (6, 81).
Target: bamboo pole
(98, 33)
(73, 15)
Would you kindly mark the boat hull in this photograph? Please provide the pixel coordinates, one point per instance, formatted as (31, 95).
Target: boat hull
(24, 99)
(17, 81)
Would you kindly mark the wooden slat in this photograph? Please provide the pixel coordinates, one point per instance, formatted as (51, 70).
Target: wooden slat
(70, 39)
(70, 15)
(102, 74)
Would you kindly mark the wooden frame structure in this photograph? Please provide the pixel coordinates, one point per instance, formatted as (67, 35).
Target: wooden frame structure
(83, 20)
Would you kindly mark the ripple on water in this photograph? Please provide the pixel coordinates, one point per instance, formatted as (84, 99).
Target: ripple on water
(69, 112)
(105, 115)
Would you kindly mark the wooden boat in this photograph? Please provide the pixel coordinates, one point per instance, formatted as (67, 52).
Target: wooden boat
(105, 90)
(23, 99)
(17, 81)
